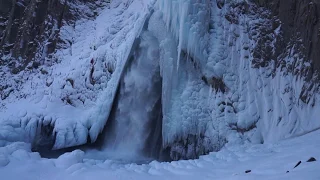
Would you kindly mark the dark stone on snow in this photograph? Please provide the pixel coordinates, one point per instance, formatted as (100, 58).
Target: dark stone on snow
(297, 164)
(248, 171)
(312, 159)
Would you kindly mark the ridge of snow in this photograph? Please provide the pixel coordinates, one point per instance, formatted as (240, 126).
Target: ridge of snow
(265, 161)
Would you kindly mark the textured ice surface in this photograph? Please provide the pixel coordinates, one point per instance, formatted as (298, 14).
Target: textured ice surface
(188, 21)
(185, 102)
(211, 88)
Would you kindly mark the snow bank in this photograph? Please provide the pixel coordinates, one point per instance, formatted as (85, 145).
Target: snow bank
(265, 161)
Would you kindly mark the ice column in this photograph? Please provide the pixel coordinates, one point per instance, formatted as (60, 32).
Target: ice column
(188, 21)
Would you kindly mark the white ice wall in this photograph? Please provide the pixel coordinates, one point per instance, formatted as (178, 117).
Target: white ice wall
(188, 21)
(259, 105)
(182, 31)
(261, 97)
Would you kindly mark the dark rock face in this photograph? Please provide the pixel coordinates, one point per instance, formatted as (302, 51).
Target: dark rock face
(299, 39)
(29, 34)
(29, 29)
(192, 147)
(300, 25)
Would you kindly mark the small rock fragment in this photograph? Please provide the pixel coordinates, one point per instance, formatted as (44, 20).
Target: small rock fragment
(312, 159)
(247, 171)
(297, 164)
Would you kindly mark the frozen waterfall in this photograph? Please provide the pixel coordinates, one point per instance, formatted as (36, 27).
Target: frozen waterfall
(134, 128)
(179, 79)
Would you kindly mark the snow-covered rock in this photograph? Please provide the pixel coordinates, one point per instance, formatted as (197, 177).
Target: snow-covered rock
(68, 103)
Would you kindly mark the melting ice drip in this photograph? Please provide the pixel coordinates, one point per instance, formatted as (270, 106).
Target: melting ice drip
(135, 123)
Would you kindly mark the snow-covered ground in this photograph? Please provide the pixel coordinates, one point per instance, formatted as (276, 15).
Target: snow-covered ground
(266, 161)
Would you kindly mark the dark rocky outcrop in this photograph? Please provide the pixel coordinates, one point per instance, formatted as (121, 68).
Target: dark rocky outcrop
(215, 83)
(192, 147)
(30, 34)
(300, 25)
(29, 29)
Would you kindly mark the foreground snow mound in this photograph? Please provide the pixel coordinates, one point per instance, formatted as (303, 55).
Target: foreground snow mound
(68, 103)
(288, 159)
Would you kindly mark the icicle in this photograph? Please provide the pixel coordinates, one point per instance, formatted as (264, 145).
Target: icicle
(184, 12)
(188, 21)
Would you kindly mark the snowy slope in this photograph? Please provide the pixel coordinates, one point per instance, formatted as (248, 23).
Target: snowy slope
(266, 161)
(75, 95)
